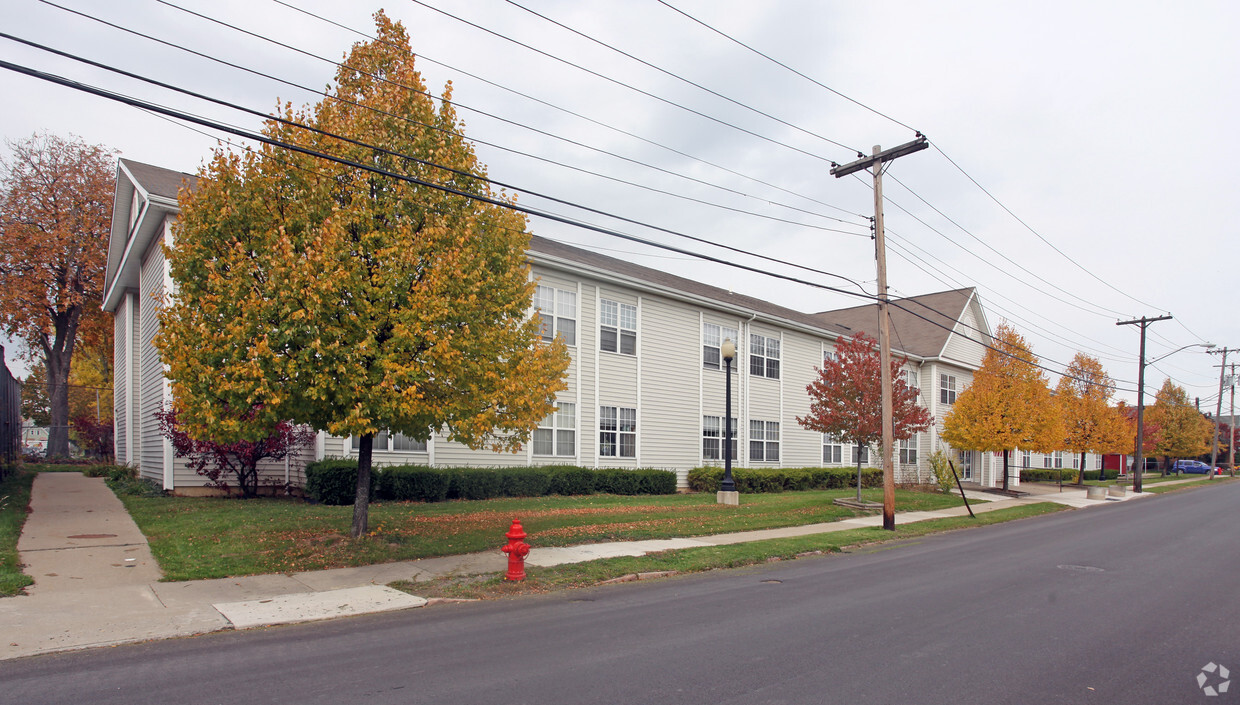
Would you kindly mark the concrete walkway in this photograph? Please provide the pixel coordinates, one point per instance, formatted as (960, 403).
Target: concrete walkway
(96, 583)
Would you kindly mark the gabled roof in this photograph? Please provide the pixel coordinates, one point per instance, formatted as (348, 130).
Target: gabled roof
(920, 325)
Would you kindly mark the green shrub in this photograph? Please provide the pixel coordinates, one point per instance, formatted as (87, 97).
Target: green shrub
(525, 482)
(474, 483)
(1047, 475)
(757, 480)
(941, 467)
(130, 484)
(416, 483)
(335, 481)
(570, 480)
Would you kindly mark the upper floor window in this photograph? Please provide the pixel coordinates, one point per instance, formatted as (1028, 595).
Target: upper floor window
(617, 432)
(764, 356)
(910, 378)
(712, 339)
(829, 356)
(617, 327)
(947, 389)
(832, 450)
(557, 313)
(764, 440)
(557, 434)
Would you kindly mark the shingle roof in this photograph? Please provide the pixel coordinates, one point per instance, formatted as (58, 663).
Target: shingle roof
(920, 325)
(158, 180)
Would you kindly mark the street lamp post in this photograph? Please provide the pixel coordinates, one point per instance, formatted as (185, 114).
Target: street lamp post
(727, 489)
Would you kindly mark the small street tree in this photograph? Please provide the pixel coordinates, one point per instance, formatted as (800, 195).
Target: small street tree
(222, 463)
(846, 398)
(353, 301)
(1008, 405)
(1091, 424)
(1183, 431)
(55, 217)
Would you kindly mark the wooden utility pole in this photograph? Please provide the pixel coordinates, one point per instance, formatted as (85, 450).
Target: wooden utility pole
(1231, 424)
(875, 162)
(1218, 410)
(1138, 463)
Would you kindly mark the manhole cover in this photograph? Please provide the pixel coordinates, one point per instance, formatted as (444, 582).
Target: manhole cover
(1081, 568)
(93, 536)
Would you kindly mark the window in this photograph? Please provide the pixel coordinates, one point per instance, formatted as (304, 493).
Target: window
(1058, 459)
(908, 451)
(764, 440)
(1046, 460)
(1076, 462)
(1024, 458)
(557, 434)
(385, 442)
(617, 432)
(832, 450)
(947, 389)
(764, 356)
(829, 356)
(862, 454)
(557, 311)
(1097, 462)
(712, 338)
(617, 327)
(712, 438)
(910, 378)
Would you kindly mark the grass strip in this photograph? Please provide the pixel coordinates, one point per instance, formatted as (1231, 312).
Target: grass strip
(14, 501)
(1203, 482)
(694, 560)
(196, 537)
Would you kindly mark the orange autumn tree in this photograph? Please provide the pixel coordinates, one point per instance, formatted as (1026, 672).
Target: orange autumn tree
(1008, 405)
(350, 300)
(1183, 432)
(1090, 423)
(846, 398)
(55, 217)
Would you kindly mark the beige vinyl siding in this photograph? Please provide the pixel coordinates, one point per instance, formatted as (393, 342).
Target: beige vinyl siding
(801, 447)
(962, 345)
(670, 423)
(150, 455)
(120, 386)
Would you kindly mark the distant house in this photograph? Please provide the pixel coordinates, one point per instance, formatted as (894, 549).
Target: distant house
(645, 386)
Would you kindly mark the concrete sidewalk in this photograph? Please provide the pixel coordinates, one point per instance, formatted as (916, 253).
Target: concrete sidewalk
(96, 583)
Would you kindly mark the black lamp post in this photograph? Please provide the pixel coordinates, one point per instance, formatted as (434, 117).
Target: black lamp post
(728, 351)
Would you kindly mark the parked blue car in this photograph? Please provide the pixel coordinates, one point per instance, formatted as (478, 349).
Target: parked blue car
(1192, 466)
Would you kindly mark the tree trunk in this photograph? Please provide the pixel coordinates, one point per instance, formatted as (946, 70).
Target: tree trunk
(1005, 471)
(361, 502)
(58, 405)
(858, 473)
(1080, 476)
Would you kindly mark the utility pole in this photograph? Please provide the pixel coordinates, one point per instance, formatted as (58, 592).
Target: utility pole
(875, 162)
(1139, 462)
(1218, 409)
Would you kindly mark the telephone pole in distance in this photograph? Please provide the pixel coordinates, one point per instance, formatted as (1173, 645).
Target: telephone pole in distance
(1138, 463)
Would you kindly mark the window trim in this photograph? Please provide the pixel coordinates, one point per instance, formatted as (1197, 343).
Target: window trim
(767, 364)
(715, 435)
(620, 438)
(555, 418)
(722, 335)
(836, 447)
(764, 437)
(947, 388)
(553, 320)
(908, 450)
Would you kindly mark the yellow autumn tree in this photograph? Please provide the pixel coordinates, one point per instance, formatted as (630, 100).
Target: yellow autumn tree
(1008, 405)
(1090, 423)
(1183, 432)
(351, 300)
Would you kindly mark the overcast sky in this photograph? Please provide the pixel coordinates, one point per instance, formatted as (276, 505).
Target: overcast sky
(1104, 132)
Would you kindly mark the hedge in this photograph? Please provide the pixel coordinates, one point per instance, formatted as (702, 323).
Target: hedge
(334, 482)
(1053, 474)
(757, 480)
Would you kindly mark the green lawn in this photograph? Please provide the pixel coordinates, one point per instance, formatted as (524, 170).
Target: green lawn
(14, 499)
(194, 538)
(701, 559)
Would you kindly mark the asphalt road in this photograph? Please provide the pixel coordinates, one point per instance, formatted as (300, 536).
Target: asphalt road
(1118, 604)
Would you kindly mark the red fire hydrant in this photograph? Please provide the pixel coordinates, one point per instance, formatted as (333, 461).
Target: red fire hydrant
(517, 550)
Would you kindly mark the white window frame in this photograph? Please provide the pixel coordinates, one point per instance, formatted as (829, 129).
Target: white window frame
(713, 336)
(861, 454)
(1025, 458)
(712, 438)
(764, 356)
(947, 388)
(386, 442)
(832, 450)
(557, 312)
(558, 431)
(620, 321)
(617, 432)
(1098, 462)
(763, 441)
(908, 450)
(1047, 461)
(910, 378)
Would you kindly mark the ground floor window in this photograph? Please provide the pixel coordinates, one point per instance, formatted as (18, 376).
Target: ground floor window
(832, 450)
(617, 432)
(712, 438)
(862, 454)
(764, 440)
(557, 434)
(1025, 458)
(908, 451)
(385, 442)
